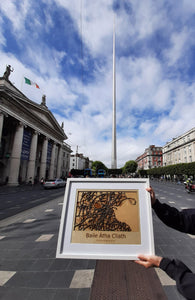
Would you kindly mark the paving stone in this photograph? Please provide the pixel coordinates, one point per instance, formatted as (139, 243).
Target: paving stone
(14, 294)
(40, 265)
(29, 221)
(77, 264)
(172, 293)
(30, 279)
(5, 276)
(67, 294)
(164, 278)
(25, 265)
(41, 294)
(82, 279)
(60, 264)
(61, 279)
(44, 253)
(44, 238)
(7, 265)
(91, 264)
(84, 294)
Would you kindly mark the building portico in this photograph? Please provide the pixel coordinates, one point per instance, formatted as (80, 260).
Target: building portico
(31, 140)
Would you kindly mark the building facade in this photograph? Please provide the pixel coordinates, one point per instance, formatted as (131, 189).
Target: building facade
(31, 140)
(151, 158)
(79, 162)
(180, 149)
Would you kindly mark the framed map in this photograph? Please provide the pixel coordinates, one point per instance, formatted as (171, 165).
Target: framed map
(105, 219)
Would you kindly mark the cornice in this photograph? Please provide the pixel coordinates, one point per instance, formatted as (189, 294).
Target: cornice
(179, 146)
(10, 92)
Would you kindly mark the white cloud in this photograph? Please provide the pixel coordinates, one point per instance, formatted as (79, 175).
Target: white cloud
(179, 42)
(94, 21)
(148, 17)
(154, 104)
(16, 16)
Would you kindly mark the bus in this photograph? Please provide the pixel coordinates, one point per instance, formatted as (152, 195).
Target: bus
(101, 173)
(89, 173)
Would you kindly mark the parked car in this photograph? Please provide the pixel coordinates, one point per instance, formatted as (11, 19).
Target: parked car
(54, 183)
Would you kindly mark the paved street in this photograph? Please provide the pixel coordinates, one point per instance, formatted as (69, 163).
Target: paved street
(29, 269)
(16, 199)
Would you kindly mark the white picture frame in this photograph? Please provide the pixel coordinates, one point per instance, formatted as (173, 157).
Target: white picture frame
(97, 230)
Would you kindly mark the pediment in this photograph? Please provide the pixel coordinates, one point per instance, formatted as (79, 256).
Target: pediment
(30, 111)
(43, 116)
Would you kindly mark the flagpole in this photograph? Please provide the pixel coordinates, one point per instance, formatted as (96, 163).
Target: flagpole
(22, 82)
(114, 159)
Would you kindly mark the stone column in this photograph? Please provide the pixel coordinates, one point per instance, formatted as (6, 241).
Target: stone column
(43, 159)
(59, 163)
(16, 155)
(1, 124)
(52, 163)
(32, 158)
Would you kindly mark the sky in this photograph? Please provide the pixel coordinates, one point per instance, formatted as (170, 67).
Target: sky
(66, 47)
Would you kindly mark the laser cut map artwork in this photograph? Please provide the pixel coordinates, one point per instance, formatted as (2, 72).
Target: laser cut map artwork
(106, 216)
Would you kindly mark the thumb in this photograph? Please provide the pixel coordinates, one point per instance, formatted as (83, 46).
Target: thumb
(142, 257)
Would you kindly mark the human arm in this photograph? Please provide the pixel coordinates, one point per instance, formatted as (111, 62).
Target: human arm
(185, 279)
(183, 221)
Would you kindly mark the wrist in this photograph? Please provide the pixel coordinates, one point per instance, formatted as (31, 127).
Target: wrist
(158, 261)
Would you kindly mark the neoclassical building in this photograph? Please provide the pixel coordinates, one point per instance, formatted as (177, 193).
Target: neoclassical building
(31, 140)
(180, 150)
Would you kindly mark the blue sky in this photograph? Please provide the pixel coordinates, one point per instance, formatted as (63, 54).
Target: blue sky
(66, 48)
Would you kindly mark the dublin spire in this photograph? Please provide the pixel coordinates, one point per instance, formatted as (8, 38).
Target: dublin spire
(114, 159)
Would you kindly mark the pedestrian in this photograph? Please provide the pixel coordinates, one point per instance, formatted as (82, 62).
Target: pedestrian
(183, 221)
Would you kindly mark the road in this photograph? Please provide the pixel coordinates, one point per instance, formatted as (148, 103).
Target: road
(17, 199)
(29, 269)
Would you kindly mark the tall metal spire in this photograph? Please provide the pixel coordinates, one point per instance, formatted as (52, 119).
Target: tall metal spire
(114, 159)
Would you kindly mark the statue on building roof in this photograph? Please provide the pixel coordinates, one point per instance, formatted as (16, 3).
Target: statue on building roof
(43, 103)
(7, 72)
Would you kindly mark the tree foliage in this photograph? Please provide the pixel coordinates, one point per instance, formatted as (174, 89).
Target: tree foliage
(130, 167)
(178, 169)
(96, 165)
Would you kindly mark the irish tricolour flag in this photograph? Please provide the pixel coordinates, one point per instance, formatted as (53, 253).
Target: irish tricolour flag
(28, 81)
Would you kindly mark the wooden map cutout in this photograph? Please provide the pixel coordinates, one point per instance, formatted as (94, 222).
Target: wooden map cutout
(106, 217)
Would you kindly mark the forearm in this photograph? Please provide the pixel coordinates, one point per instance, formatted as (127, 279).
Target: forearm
(185, 279)
(183, 221)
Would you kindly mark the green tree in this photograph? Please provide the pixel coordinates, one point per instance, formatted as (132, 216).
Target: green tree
(142, 173)
(130, 167)
(96, 165)
(180, 170)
